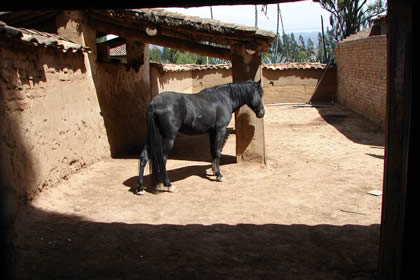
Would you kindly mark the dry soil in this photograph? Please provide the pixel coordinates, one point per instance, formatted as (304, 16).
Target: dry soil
(306, 215)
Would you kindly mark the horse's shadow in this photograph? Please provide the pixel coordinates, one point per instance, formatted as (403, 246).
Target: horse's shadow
(174, 174)
(178, 174)
(186, 149)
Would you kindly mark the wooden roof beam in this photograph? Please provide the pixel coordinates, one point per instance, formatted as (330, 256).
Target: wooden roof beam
(118, 41)
(138, 35)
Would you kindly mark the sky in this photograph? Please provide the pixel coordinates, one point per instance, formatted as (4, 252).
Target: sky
(301, 16)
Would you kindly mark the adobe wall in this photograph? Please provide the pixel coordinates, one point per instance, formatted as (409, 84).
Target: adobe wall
(280, 86)
(123, 90)
(60, 112)
(50, 123)
(123, 98)
(160, 80)
(186, 81)
(209, 78)
(298, 85)
(361, 76)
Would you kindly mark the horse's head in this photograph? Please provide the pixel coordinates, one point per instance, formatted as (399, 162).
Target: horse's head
(257, 104)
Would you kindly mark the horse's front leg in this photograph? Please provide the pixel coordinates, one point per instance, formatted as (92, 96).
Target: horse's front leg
(144, 157)
(216, 140)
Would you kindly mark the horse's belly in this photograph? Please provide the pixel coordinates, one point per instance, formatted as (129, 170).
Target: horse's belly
(197, 123)
(189, 130)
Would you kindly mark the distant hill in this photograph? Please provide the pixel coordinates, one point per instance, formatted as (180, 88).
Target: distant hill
(308, 35)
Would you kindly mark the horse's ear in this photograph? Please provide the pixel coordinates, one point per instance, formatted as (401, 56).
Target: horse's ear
(259, 83)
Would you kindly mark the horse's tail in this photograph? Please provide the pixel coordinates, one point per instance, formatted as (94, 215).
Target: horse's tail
(154, 146)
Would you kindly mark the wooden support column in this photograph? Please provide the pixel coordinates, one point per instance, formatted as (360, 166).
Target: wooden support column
(250, 139)
(135, 54)
(394, 246)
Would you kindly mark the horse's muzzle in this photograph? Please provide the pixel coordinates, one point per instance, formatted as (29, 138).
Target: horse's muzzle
(260, 113)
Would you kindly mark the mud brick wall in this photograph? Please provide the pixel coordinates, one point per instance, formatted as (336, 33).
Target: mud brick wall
(50, 121)
(361, 76)
(123, 98)
(299, 85)
(291, 85)
(186, 81)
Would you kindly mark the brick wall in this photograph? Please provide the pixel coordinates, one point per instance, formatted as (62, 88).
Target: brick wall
(361, 76)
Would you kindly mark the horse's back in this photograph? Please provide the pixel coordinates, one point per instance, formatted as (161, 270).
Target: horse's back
(169, 110)
(191, 113)
(167, 98)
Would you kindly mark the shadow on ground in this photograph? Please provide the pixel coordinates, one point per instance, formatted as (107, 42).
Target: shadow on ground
(187, 148)
(178, 174)
(54, 246)
(345, 120)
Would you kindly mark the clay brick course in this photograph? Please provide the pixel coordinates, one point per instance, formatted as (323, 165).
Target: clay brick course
(361, 76)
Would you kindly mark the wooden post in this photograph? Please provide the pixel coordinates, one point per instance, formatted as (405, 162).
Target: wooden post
(103, 53)
(135, 54)
(250, 140)
(394, 248)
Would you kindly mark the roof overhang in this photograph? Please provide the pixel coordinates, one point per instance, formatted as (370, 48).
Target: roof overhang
(38, 38)
(200, 35)
(160, 27)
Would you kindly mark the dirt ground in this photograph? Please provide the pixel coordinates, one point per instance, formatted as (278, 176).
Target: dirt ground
(306, 215)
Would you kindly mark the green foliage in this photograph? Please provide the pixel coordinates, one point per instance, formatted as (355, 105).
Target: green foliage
(183, 57)
(328, 54)
(287, 49)
(167, 55)
(347, 17)
(350, 16)
(155, 54)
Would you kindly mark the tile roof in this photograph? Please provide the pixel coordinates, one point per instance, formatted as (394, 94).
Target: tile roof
(176, 25)
(38, 38)
(294, 65)
(118, 51)
(190, 67)
(274, 66)
(211, 25)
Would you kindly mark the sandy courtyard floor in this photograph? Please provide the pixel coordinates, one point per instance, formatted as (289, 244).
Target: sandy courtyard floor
(306, 215)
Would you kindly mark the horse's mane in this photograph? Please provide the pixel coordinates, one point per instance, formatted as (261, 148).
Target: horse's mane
(241, 92)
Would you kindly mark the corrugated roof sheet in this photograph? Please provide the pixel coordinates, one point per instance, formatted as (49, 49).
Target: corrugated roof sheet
(274, 66)
(38, 38)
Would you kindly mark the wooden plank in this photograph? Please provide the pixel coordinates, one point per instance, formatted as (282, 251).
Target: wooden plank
(201, 3)
(393, 245)
(138, 35)
(197, 30)
(113, 42)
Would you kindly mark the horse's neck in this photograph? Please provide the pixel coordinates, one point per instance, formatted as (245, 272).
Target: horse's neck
(239, 97)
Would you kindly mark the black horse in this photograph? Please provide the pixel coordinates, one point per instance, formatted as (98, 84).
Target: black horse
(208, 111)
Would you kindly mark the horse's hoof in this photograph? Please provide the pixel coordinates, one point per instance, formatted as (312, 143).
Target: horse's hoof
(141, 192)
(160, 187)
(171, 188)
(220, 179)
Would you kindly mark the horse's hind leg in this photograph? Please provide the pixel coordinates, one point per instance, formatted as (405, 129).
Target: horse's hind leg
(216, 140)
(167, 145)
(144, 157)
